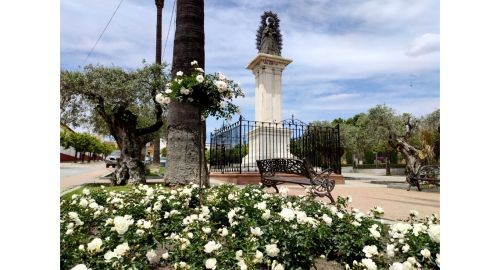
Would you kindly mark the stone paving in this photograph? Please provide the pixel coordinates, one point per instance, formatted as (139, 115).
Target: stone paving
(396, 202)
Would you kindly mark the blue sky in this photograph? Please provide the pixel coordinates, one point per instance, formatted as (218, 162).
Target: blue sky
(348, 55)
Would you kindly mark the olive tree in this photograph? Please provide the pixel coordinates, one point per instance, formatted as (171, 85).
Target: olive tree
(114, 101)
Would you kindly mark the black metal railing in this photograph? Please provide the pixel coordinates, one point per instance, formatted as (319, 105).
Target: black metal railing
(235, 147)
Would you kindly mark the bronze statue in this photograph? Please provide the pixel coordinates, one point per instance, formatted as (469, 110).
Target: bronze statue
(268, 35)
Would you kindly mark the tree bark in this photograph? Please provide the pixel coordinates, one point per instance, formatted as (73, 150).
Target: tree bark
(387, 164)
(410, 153)
(183, 142)
(184, 128)
(130, 168)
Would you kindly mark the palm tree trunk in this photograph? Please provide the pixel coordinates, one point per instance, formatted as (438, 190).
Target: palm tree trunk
(184, 130)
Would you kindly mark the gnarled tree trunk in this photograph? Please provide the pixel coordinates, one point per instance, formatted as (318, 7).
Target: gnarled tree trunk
(410, 153)
(130, 168)
(184, 126)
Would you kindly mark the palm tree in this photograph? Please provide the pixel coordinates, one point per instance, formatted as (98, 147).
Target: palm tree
(184, 126)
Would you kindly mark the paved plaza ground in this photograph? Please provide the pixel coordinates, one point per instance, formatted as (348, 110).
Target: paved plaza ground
(396, 202)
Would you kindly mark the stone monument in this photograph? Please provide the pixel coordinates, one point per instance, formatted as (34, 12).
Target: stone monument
(268, 140)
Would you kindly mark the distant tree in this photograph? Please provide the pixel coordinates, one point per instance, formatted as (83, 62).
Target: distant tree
(164, 152)
(117, 102)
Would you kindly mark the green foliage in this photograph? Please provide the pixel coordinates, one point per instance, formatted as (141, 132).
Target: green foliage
(84, 142)
(241, 222)
(213, 94)
(84, 93)
(163, 152)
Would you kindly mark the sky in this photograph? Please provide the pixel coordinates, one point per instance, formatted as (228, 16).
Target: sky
(348, 55)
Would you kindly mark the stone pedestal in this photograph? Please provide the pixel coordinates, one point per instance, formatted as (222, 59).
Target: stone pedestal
(267, 70)
(268, 140)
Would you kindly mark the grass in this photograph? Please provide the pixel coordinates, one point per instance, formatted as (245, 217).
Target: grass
(107, 186)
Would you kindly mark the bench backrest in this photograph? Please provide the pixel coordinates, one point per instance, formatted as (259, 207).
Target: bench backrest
(269, 167)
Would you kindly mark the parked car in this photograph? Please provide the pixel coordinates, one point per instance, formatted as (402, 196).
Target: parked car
(147, 160)
(112, 159)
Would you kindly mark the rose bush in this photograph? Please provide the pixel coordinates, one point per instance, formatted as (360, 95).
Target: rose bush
(236, 228)
(213, 94)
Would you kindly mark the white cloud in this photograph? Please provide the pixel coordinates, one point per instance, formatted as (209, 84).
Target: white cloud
(424, 44)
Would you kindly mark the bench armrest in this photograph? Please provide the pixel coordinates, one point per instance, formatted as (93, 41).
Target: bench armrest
(322, 181)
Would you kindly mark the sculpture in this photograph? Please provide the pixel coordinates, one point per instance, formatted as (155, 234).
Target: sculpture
(269, 36)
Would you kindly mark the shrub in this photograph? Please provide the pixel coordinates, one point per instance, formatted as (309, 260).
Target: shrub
(236, 228)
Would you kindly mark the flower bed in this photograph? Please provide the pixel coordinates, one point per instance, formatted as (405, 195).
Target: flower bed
(237, 228)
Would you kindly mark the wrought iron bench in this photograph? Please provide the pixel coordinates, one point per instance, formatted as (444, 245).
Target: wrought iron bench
(272, 170)
(427, 173)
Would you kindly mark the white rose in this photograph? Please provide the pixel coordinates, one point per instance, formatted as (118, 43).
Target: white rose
(239, 254)
(86, 191)
(81, 247)
(406, 248)
(287, 214)
(121, 249)
(211, 263)
(165, 255)
(84, 203)
(434, 233)
(260, 206)
(94, 245)
(221, 76)
(425, 253)
(69, 231)
(390, 250)
(369, 264)
(277, 266)
(370, 251)
(221, 86)
(200, 78)
(190, 235)
(223, 232)
(374, 232)
(256, 231)
(272, 250)
(159, 98)
(267, 214)
(199, 69)
(340, 215)
(93, 205)
(206, 230)
(258, 257)
(327, 219)
(194, 62)
(211, 246)
(179, 73)
(151, 255)
(397, 266)
(80, 267)
(242, 265)
(109, 255)
(121, 224)
(168, 91)
(185, 91)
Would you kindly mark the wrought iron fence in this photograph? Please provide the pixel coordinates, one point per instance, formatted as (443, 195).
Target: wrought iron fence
(235, 147)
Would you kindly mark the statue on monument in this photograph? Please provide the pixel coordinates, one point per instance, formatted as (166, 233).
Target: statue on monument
(269, 36)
